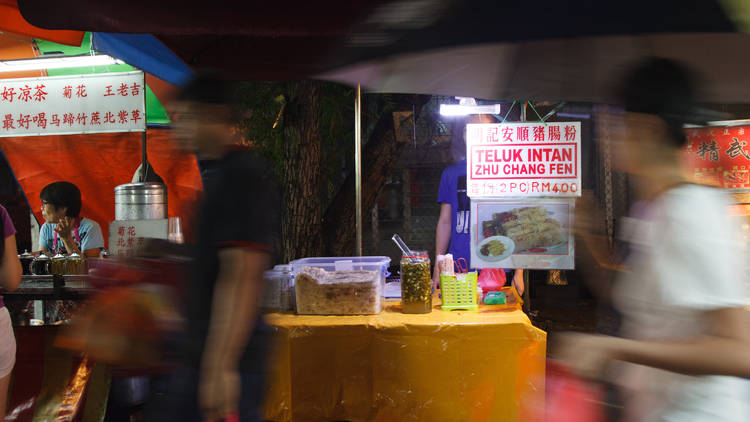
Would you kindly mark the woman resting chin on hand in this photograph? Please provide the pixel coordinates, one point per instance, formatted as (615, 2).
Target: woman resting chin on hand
(64, 231)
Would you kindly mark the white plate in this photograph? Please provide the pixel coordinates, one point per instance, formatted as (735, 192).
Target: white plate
(506, 241)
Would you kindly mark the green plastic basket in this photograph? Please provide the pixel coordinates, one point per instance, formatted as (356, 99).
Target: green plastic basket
(459, 292)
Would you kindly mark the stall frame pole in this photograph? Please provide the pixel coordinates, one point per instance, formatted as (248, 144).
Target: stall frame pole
(358, 167)
(526, 273)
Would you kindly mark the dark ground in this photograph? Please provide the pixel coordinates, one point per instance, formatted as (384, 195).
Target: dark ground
(571, 307)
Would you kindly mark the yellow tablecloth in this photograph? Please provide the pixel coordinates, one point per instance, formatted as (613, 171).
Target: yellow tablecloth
(442, 366)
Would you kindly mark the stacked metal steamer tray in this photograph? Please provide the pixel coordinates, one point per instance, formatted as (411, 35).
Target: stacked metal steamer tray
(340, 285)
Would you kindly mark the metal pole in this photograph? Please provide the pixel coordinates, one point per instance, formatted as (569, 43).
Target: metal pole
(144, 157)
(358, 167)
(144, 154)
(526, 278)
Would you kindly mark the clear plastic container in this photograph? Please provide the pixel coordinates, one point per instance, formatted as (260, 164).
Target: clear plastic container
(277, 289)
(286, 285)
(416, 283)
(340, 285)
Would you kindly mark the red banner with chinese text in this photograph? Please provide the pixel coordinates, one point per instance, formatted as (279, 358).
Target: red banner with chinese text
(719, 156)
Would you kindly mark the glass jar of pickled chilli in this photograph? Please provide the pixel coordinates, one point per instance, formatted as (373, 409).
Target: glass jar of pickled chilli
(416, 283)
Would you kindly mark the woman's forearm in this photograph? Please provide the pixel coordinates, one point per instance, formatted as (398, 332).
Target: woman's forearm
(70, 246)
(708, 355)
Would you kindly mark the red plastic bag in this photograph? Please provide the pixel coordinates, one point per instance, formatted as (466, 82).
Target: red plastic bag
(491, 279)
(571, 398)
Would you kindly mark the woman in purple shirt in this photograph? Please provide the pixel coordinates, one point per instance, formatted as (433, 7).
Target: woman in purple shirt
(10, 278)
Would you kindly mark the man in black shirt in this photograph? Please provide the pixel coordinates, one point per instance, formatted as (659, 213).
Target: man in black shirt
(226, 338)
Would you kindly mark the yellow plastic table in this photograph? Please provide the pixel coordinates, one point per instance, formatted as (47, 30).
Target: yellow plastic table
(441, 366)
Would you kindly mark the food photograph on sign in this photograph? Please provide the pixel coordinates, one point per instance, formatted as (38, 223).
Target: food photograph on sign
(522, 234)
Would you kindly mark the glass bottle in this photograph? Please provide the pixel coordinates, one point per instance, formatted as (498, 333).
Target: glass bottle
(416, 283)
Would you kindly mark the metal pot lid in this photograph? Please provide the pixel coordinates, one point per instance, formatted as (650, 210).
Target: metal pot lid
(74, 256)
(58, 256)
(42, 257)
(26, 255)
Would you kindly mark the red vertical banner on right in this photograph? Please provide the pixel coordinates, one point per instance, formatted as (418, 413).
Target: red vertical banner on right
(719, 156)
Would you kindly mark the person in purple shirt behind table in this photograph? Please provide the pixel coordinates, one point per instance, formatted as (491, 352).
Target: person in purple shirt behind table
(452, 234)
(10, 278)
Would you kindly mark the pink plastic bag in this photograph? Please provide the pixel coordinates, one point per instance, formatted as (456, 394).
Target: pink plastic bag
(571, 398)
(491, 279)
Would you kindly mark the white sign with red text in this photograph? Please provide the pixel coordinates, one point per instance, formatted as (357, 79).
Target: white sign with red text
(126, 236)
(523, 159)
(61, 105)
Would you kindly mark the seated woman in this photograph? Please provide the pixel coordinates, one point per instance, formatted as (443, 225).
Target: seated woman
(64, 231)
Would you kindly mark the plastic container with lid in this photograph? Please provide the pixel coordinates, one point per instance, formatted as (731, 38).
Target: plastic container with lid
(286, 282)
(340, 285)
(277, 284)
(416, 283)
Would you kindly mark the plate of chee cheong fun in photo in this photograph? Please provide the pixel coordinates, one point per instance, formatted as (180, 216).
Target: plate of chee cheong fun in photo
(532, 229)
(496, 248)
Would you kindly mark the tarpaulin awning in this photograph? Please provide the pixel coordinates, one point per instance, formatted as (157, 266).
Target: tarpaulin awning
(97, 163)
(145, 52)
(155, 112)
(12, 47)
(12, 21)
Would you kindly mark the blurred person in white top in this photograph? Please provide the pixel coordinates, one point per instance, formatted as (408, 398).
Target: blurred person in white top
(686, 343)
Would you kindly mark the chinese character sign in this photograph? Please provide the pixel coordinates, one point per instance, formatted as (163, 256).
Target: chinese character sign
(719, 156)
(523, 159)
(125, 237)
(58, 105)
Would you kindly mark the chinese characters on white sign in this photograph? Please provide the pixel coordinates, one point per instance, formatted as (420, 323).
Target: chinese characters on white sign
(58, 105)
(523, 159)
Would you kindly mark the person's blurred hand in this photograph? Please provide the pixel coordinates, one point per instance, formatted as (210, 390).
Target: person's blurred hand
(586, 354)
(218, 392)
(64, 228)
(518, 282)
